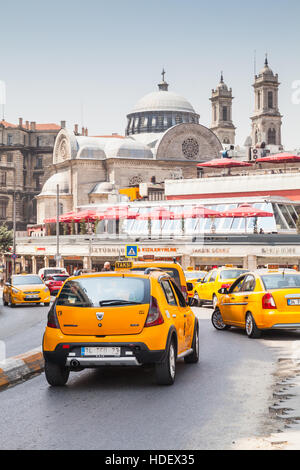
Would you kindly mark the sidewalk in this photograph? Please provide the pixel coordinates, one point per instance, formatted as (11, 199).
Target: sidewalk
(20, 368)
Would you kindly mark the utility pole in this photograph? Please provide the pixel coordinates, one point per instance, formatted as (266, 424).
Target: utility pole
(14, 233)
(57, 226)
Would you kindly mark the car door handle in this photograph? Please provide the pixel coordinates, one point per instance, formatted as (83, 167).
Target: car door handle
(174, 316)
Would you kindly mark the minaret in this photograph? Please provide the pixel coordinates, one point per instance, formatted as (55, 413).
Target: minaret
(267, 120)
(222, 124)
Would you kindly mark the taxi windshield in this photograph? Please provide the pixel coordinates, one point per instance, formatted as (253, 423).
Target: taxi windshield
(105, 291)
(231, 273)
(281, 281)
(194, 274)
(26, 280)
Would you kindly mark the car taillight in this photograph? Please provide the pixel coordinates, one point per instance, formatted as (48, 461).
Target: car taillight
(52, 318)
(154, 316)
(225, 286)
(268, 301)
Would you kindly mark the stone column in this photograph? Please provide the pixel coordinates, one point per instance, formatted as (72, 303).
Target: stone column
(33, 259)
(250, 262)
(186, 261)
(46, 261)
(87, 262)
(23, 263)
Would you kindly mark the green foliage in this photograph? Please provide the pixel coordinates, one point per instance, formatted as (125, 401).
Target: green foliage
(6, 239)
(82, 227)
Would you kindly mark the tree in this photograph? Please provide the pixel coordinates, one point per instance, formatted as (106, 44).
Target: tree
(6, 239)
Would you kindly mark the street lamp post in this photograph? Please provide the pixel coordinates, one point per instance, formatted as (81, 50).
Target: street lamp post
(57, 226)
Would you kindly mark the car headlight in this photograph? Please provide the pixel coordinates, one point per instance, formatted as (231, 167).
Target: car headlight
(45, 289)
(15, 291)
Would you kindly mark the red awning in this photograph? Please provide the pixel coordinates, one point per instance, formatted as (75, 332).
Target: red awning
(223, 163)
(85, 215)
(245, 211)
(158, 213)
(280, 158)
(116, 213)
(200, 211)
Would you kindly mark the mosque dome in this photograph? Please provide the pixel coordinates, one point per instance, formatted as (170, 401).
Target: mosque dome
(160, 110)
(50, 186)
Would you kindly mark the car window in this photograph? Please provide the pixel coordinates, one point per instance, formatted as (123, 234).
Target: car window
(249, 283)
(104, 291)
(168, 292)
(237, 285)
(180, 297)
(231, 273)
(281, 281)
(206, 279)
(26, 280)
(213, 276)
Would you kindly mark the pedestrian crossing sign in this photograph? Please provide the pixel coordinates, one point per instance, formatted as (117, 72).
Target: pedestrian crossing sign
(131, 251)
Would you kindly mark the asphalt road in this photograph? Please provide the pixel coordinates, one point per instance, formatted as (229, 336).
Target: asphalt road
(212, 405)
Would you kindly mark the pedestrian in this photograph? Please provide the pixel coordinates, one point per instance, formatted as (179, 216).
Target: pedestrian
(261, 231)
(106, 267)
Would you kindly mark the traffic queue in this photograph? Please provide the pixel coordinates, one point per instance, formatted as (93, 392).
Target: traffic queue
(140, 313)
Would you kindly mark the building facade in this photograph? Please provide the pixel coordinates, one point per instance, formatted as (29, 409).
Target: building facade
(25, 164)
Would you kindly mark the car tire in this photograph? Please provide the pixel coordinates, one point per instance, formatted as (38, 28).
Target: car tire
(214, 301)
(165, 371)
(11, 304)
(217, 320)
(251, 328)
(46, 304)
(5, 303)
(198, 302)
(193, 358)
(56, 375)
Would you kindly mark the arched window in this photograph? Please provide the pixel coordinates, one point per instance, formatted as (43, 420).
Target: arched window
(225, 113)
(226, 140)
(258, 100)
(272, 136)
(256, 137)
(270, 99)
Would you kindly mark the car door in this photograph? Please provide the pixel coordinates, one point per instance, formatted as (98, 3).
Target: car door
(188, 318)
(230, 303)
(204, 288)
(174, 311)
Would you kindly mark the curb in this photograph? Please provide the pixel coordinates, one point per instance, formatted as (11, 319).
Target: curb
(20, 368)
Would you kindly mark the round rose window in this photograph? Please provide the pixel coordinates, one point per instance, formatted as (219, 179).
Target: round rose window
(190, 148)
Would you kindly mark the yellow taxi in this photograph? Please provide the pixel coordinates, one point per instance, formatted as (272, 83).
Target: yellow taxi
(119, 318)
(172, 268)
(206, 291)
(192, 278)
(260, 300)
(25, 289)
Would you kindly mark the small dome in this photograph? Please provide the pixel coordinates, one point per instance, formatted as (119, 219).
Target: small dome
(61, 179)
(163, 101)
(102, 188)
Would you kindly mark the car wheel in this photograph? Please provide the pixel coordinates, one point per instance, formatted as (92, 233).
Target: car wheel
(217, 320)
(194, 356)
(11, 304)
(56, 375)
(165, 371)
(5, 303)
(46, 304)
(251, 328)
(215, 301)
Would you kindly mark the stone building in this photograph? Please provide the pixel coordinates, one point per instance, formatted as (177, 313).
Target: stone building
(163, 140)
(267, 120)
(25, 164)
(222, 124)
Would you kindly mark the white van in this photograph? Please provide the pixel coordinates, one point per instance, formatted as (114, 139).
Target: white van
(48, 271)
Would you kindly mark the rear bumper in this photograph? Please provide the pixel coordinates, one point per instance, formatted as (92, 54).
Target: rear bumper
(133, 354)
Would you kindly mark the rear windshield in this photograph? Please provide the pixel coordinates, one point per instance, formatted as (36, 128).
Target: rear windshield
(232, 273)
(59, 278)
(194, 275)
(26, 280)
(281, 281)
(105, 292)
(49, 272)
(173, 272)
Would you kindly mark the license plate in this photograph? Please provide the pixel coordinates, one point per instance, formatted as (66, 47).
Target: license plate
(36, 296)
(293, 302)
(101, 351)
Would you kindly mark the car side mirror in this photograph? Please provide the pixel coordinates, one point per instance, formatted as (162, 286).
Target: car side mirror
(223, 290)
(189, 286)
(7, 284)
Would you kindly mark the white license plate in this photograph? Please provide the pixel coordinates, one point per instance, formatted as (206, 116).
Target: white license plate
(101, 351)
(293, 302)
(34, 296)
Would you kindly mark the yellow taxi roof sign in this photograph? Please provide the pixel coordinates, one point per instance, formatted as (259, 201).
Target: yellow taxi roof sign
(228, 265)
(190, 268)
(123, 265)
(273, 266)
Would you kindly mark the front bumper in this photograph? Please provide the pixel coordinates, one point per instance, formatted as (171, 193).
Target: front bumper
(69, 354)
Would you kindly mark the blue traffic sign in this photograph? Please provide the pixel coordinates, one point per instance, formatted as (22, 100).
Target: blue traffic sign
(131, 251)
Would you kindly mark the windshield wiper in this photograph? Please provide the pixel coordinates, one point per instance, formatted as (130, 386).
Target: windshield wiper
(117, 302)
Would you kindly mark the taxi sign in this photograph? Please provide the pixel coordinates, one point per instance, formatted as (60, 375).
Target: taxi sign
(123, 264)
(131, 251)
(190, 268)
(273, 266)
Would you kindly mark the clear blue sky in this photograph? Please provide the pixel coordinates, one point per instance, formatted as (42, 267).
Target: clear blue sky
(61, 57)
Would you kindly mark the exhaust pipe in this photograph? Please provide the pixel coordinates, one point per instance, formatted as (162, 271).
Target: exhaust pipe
(74, 363)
